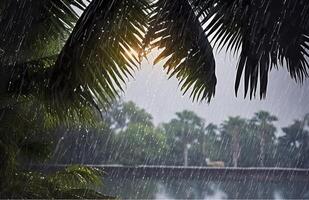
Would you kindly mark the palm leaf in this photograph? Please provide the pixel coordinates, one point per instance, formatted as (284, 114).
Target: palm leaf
(267, 33)
(74, 182)
(35, 29)
(33, 36)
(176, 29)
(83, 193)
(75, 177)
(100, 53)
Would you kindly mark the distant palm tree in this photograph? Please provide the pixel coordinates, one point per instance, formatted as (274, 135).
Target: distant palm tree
(266, 131)
(296, 140)
(234, 127)
(209, 134)
(185, 129)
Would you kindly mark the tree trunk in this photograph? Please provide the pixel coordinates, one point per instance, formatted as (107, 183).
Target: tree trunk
(262, 150)
(236, 149)
(236, 153)
(185, 155)
(203, 150)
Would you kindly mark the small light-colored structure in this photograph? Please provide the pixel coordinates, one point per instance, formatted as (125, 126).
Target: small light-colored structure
(214, 163)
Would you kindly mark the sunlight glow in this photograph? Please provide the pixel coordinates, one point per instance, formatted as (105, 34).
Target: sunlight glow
(130, 54)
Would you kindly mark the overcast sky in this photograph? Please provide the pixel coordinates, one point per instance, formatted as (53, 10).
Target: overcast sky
(152, 90)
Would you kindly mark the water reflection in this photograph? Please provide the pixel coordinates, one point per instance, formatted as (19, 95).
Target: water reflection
(178, 188)
(216, 194)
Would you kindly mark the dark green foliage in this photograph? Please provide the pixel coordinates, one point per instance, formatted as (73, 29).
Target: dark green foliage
(294, 145)
(250, 147)
(183, 132)
(233, 131)
(127, 136)
(28, 27)
(26, 138)
(130, 138)
(262, 122)
(140, 144)
(71, 183)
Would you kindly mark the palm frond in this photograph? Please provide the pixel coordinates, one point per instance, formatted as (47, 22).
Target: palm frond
(100, 53)
(176, 30)
(74, 182)
(75, 177)
(26, 78)
(82, 194)
(32, 36)
(33, 30)
(267, 33)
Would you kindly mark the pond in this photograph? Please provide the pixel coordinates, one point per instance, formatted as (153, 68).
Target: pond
(231, 184)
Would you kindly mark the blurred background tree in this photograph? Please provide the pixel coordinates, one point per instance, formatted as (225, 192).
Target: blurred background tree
(266, 129)
(232, 130)
(184, 131)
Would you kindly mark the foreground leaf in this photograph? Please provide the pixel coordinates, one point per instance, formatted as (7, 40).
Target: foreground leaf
(177, 31)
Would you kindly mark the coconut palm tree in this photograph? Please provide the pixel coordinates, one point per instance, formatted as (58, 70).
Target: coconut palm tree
(185, 129)
(233, 128)
(295, 142)
(266, 131)
(208, 137)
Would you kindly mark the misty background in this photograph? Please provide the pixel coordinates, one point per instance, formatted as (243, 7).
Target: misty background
(151, 90)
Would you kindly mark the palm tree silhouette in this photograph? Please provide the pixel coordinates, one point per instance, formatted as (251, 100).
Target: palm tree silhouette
(47, 48)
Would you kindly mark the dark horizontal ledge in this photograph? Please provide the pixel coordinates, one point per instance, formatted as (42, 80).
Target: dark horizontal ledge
(195, 173)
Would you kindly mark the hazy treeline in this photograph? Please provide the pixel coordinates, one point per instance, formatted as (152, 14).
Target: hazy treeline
(128, 136)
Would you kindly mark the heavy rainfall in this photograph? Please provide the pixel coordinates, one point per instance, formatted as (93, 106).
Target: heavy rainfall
(154, 99)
